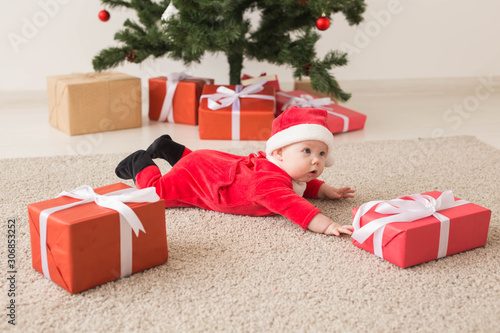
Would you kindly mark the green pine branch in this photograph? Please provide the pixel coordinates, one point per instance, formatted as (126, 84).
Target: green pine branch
(285, 35)
(109, 58)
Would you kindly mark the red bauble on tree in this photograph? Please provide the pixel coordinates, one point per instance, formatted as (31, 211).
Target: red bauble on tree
(104, 15)
(323, 22)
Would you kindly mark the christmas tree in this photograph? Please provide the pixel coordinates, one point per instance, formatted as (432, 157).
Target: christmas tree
(285, 35)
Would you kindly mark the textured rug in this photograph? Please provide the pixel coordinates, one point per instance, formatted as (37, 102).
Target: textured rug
(265, 274)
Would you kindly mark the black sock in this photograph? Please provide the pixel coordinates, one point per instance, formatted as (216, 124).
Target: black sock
(130, 166)
(164, 147)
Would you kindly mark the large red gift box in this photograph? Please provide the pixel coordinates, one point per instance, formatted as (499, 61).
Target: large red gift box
(249, 116)
(414, 229)
(88, 245)
(340, 119)
(185, 100)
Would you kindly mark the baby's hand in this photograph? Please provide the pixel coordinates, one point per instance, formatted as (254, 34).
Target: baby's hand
(323, 225)
(330, 192)
(336, 229)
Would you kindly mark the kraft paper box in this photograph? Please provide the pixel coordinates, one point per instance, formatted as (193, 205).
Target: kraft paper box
(184, 103)
(445, 225)
(94, 102)
(253, 120)
(85, 244)
(272, 80)
(340, 119)
(305, 85)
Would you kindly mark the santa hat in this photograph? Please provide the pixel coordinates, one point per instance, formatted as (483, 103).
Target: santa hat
(301, 124)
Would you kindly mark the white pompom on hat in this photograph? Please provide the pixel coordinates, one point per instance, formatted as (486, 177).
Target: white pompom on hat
(301, 124)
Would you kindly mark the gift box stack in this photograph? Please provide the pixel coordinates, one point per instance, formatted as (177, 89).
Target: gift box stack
(98, 102)
(232, 112)
(414, 229)
(86, 237)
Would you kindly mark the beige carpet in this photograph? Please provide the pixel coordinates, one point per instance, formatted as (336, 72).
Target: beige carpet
(246, 274)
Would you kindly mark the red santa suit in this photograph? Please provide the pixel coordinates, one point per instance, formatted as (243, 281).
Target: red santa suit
(244, 185)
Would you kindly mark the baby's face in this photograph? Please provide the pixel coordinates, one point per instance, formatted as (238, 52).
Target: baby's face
(305, 160)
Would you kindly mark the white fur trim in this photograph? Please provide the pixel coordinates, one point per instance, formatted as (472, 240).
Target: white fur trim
(302, 132)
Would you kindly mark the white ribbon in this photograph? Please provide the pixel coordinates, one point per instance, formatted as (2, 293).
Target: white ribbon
(308, 101)
(418, 207)
(173, 79)
(113, 200)
(226, 97)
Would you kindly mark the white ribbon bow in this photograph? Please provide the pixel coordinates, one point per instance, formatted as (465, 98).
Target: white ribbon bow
(113, 200)
(226, 97)
(308, 101)
(418, 207)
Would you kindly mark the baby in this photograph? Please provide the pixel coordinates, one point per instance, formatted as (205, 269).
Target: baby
(261, 184)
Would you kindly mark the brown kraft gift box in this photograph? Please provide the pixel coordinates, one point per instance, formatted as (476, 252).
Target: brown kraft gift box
(305, 85)
(94, 102)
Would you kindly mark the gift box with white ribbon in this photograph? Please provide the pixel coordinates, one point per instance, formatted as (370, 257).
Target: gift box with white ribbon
(175, 98)
(237, 113)
(340, 119)
(414, 229)
(85, 237)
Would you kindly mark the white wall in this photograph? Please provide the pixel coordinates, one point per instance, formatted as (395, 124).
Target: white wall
(398, 39)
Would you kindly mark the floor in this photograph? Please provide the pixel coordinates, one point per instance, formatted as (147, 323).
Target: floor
(395, 109)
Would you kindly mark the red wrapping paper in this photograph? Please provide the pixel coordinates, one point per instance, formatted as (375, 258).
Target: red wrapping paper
(413, 243)
(335, 123)
(185, 102)
(83, 242)
(256, 117)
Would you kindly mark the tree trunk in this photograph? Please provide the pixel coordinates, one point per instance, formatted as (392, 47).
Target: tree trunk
(235, 60)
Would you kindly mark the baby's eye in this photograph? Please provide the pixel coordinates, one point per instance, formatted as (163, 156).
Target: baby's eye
(307, 150)
(322, 153)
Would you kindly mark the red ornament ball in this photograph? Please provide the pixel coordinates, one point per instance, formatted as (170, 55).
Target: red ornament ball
(104, 15)
(323, 23)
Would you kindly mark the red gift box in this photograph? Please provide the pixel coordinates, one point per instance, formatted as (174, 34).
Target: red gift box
(340, 119)
(415, 229)
(237, 112)
(87, 245)
(272, 80)
(179, 107)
